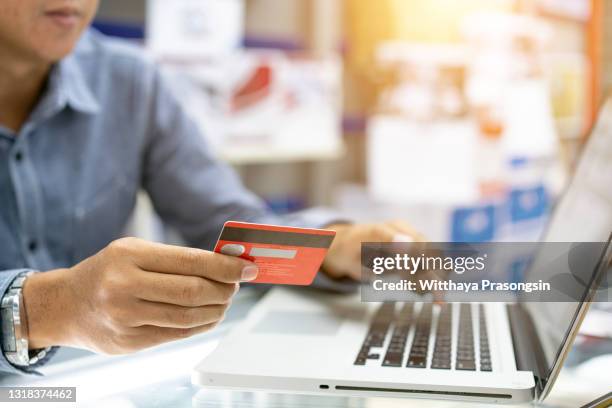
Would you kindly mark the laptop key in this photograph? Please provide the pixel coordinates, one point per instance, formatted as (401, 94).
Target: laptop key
(393, 360)
(465, 342)
(397, 344)
(466, 365)
(377, 332)
(417, 361)
(442, 347)
(418, 352)
(441, 365)
(485, 355)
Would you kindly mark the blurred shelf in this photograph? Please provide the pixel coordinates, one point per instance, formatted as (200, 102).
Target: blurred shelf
(561, 17)
(577, 11)
(266, 155)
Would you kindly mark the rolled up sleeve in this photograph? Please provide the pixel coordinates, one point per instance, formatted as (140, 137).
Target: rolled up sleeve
(192, 190)
(196, 193)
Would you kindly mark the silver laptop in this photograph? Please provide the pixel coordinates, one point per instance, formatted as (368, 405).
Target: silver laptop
(303, 341)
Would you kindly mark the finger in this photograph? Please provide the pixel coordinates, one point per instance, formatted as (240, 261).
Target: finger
(179, 317)
(394, 239)
(148, 336)
(384, 233)
(402, 227)
(183, 290)
(168, 333)
(156, 257)
(353, 271)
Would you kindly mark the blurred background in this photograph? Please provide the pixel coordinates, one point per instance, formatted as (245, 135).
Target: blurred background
(464, 118)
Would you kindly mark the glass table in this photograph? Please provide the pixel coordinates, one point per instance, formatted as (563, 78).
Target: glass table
(160, 377)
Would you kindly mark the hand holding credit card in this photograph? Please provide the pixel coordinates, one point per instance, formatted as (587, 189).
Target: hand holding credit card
(284, 255)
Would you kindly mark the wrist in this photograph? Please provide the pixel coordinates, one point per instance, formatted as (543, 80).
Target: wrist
(46, 304)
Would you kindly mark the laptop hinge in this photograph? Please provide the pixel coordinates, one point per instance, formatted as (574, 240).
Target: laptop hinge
(528, 351)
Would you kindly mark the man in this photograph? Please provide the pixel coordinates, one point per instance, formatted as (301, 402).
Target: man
(85, 122)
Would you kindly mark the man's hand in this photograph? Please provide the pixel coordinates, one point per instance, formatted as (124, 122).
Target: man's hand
(344, 256)
(132, 295)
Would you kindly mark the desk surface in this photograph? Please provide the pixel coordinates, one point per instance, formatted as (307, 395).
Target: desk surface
(160, 377)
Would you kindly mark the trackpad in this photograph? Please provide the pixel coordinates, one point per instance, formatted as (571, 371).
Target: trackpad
(313, 323)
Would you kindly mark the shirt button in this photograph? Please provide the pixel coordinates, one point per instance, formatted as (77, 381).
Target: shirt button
(32, 246)
(18, 156)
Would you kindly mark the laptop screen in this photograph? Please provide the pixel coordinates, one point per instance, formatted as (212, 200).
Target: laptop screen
(584, 214)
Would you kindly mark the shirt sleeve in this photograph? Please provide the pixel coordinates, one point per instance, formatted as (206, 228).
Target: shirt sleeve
(6, 368)
(190, 189)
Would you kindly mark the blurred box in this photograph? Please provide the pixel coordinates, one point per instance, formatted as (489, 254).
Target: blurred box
(481, 221)
(263, 105)
(290, 106)
(422, 162)
(194, 28)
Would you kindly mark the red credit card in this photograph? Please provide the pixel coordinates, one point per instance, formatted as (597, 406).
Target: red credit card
(284, 255)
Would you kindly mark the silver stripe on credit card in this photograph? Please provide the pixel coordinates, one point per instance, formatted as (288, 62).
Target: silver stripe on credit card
(273, 253)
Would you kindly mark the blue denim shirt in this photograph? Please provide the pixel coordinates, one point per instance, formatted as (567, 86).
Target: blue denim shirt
(106, 126)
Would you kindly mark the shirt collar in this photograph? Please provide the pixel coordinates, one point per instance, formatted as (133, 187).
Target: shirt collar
(67, 86)
(73, 88)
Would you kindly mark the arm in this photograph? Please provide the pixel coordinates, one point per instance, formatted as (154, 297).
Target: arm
(131, 295)
(196, 194)
(192, 190)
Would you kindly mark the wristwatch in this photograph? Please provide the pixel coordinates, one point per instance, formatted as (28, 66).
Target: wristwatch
(15, 326)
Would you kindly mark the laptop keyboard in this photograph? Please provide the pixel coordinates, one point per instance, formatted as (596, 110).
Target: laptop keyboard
(401, 321)
(443, 346)
(397, 345)
(485, 355)
(465, 340)
(420, 343)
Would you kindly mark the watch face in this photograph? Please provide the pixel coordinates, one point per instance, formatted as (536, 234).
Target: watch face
(8, 330)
